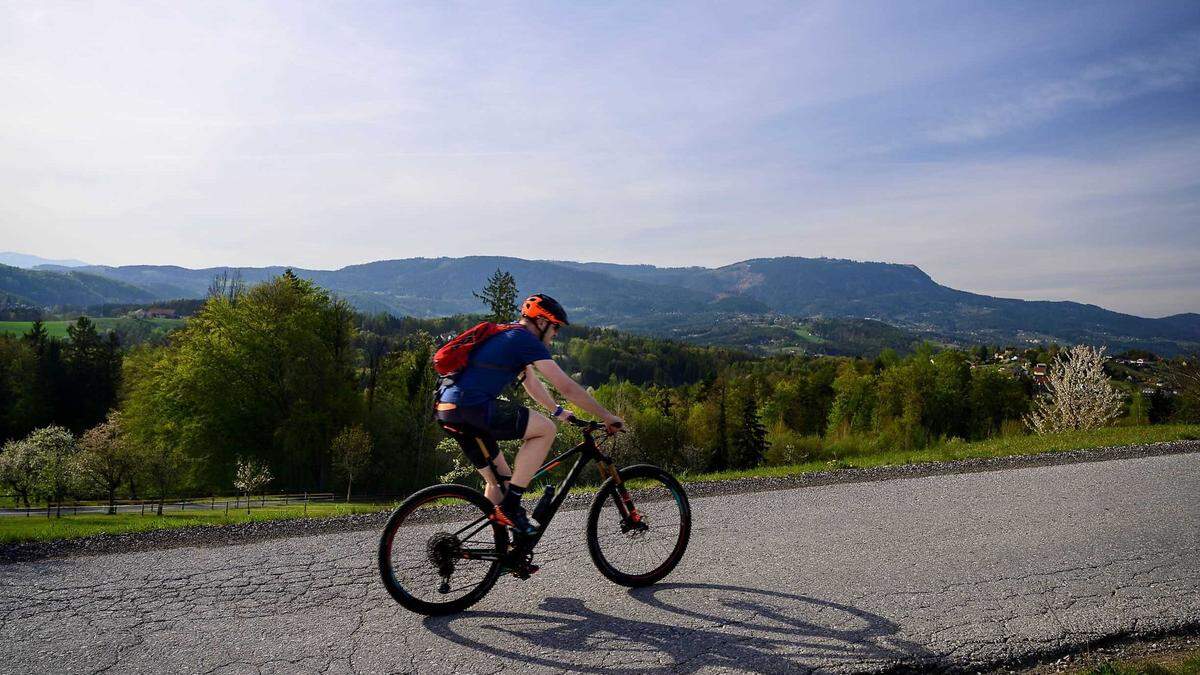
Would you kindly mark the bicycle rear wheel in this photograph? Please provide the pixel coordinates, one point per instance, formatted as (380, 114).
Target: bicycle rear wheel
(439, 553)
(641, 542)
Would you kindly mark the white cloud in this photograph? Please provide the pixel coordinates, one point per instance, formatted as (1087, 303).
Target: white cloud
(1171, 67)
(324, 135)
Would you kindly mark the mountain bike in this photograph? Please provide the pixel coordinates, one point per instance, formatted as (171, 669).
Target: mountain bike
(440, 551)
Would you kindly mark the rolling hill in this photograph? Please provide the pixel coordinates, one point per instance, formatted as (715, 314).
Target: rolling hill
(766, 300)
(42, 288)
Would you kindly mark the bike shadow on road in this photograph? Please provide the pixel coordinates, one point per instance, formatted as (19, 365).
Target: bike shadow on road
(708, 625)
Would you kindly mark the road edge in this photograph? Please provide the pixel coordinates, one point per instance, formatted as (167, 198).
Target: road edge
(244, 533)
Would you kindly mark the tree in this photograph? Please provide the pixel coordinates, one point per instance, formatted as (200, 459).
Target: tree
(228, 286)
(500, 295)
(104, 459)
(995, 396)
(1185, 377)
(20, 469)
(161, 463)
(250, 477)
(55, 448)
(405, 434)
(92, 366)
(374, 349)
(750, 438)
(1078, 394)
(853, 407)
(720, 452)
(155, 419)
(351, 451)
(47, 378)
(271, 376)
(18, 380)
(1139, 409)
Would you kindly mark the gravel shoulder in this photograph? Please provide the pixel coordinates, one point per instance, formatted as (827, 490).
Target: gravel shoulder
(231, 535)
(1183, 642)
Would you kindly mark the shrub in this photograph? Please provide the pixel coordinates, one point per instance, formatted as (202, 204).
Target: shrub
(786, 446)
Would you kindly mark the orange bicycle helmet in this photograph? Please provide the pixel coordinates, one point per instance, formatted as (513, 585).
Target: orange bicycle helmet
(541, 306)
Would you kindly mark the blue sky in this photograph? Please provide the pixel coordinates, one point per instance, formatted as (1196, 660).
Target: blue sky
(1036, 150)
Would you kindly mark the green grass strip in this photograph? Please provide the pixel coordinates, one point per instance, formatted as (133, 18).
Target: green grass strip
(40, 528)
(995, 447)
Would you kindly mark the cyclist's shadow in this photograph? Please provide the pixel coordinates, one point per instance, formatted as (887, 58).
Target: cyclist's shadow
(745, 628)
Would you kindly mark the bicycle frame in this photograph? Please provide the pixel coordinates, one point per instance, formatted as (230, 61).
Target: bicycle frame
(588, 451)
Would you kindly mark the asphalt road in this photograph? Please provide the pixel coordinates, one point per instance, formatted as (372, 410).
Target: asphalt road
(959, 571)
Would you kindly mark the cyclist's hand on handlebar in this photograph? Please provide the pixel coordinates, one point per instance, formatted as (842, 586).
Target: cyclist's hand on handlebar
(614, 424)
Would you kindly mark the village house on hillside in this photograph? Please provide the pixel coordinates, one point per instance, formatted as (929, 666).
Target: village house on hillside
(153, 313)
(1041, 373)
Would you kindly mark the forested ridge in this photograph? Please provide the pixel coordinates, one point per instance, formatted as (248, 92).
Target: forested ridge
(275, 372)
(766, 305)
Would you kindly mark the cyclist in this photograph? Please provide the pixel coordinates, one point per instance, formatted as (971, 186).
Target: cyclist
(470, 412)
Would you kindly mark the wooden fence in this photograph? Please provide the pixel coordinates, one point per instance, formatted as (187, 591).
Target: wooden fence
(214, 503)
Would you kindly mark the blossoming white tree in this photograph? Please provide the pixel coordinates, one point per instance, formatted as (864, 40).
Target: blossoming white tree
(104, 459)
(55, 448)
(20, 468)
(1078, 394)
(250, 478)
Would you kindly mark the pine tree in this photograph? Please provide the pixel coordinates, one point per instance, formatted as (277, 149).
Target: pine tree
(48, 376)
(37, 337)
(750, 438)
(500, 295)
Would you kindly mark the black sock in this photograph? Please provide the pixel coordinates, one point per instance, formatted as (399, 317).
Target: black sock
(512, 497)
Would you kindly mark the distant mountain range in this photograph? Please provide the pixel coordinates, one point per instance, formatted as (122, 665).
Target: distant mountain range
(764, 303)
(30, 261)
(65, 287)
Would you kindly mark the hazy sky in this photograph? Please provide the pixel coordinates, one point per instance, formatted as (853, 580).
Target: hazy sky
(1045, 150)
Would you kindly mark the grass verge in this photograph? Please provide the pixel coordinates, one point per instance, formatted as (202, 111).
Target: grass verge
(1176, 663)
(14, 529)
(955, 450)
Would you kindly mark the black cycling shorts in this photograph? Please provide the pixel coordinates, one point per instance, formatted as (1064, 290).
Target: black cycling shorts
(477, 428)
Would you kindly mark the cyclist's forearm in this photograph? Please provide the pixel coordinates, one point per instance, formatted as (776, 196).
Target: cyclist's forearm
(576, 394)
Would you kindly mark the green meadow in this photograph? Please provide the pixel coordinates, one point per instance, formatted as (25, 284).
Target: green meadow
(58, 329)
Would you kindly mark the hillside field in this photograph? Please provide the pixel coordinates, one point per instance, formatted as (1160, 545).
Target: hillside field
(58, 329)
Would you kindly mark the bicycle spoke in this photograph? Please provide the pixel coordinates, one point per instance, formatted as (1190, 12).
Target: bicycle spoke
(441, 562)
(633, 550)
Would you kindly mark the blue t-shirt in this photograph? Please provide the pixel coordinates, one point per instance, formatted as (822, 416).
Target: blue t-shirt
(493, 365)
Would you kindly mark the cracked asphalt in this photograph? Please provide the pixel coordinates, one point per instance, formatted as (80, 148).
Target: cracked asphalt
(960, 572)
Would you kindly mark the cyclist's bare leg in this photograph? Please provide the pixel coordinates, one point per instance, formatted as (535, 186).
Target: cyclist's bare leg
(539, 436)
(492, 491)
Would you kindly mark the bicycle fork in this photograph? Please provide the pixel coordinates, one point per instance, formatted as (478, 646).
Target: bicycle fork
(630, 517)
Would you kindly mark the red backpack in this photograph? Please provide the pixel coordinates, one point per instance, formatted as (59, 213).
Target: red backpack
(453, 356)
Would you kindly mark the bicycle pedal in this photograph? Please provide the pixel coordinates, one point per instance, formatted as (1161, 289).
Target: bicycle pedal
(525, 571)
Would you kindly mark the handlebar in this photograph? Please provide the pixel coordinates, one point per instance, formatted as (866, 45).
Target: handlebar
(587, 425)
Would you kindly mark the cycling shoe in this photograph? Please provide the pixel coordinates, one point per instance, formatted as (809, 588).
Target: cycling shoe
(516, 518)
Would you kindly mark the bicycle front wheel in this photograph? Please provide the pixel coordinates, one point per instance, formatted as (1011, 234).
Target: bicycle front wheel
(439, 553)
(638, 531)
